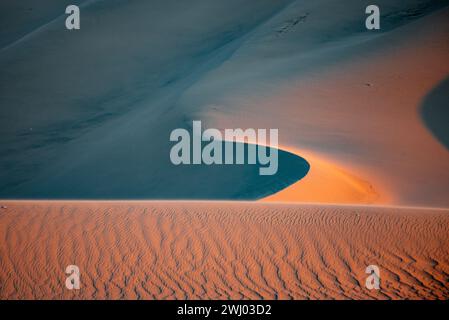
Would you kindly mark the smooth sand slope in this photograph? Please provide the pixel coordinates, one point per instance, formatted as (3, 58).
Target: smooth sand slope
(160, 250)
(88, 114)
(350, 105)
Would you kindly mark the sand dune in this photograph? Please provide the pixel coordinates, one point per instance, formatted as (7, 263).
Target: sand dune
(346, 100)
(108, 94)
(349, 105)
(160, 250)
(327, 182)
(88, 114)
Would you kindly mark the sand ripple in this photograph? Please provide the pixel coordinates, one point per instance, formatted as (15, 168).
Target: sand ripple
(157, 250)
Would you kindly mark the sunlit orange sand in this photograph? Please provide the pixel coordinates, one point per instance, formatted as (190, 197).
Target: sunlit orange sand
(327, 183)
(358, 122)
(167, 250)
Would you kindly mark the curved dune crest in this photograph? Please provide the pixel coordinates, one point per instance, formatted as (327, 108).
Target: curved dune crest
(168, 181)
(435, 112)
(354, 103)
(221, 250)
(88, 115)
(94, 123)
(328, 183)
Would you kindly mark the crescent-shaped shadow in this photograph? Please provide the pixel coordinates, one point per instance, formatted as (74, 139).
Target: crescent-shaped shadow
(435, 112)
(172, 182)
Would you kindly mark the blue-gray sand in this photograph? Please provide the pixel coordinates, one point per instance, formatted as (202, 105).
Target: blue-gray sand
(435, 112)
(92, 180)
(88, 113)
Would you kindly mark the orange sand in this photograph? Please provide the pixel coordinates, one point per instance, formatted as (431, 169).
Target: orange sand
(358, 122)
(326, 183)
(167, 250)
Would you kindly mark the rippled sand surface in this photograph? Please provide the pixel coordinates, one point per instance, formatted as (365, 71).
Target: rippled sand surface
(221, 250)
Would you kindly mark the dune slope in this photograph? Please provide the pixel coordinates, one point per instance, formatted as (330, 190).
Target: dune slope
(344, 98)
(88, 114)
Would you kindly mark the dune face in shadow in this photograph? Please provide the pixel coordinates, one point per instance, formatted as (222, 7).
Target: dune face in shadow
(116, 180)
(435, 112)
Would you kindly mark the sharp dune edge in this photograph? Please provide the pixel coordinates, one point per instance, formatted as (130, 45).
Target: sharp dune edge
(178, 250)
(356, 122)
(364, 109)
(345, 99)
(327, 183)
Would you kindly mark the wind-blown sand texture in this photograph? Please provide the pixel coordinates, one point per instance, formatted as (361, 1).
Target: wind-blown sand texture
(362, 119)
(88, 114)
(221, 250)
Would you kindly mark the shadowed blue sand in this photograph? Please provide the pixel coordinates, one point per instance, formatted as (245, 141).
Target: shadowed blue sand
(210, 182)
(435, 112)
